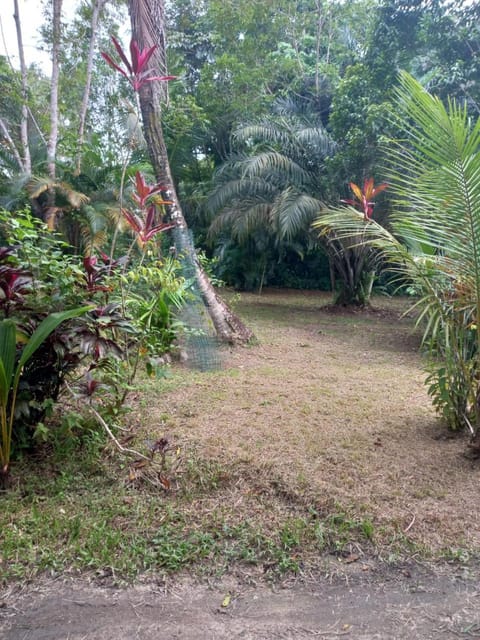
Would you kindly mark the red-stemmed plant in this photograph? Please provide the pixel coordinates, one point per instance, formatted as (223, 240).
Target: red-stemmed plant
(146, 222)
(363, 200)
(136, 71)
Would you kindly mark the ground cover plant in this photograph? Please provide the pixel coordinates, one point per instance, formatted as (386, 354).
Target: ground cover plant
(319, 442)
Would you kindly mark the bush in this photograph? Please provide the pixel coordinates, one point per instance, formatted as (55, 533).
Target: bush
(127, 308)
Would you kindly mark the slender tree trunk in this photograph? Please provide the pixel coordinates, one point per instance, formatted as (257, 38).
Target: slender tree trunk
(148, 29)
(97, 7)
(27, 162)
(53, 137)
(11, 144)
(320, 23)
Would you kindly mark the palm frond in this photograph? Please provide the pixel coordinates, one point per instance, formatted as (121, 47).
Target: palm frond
(242, 222)
(293, 212)
(237, 191)
(38, 185)
(269, 162)
(317, 139)
(266, 132)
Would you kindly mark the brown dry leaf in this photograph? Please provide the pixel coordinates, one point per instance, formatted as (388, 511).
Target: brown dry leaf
(165, 482)
(139, 464)
(353, 557)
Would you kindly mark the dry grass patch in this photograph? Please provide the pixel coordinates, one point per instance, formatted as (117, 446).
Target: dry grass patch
(329, 412)
(319, 439)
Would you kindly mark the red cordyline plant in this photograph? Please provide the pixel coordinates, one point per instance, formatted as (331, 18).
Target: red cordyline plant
(145, 223)
(364, 196)
(136, 71)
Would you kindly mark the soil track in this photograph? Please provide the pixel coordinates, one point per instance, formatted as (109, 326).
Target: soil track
(411, 603)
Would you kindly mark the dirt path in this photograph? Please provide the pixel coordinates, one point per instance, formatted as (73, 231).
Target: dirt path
(407, 604)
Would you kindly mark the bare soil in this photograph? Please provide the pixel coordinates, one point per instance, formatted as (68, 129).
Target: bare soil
(328, 413)
(407, 604)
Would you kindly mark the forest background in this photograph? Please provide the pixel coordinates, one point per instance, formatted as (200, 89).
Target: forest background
(313, 80)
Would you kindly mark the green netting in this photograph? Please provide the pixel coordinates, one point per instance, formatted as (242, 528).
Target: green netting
(199, 341)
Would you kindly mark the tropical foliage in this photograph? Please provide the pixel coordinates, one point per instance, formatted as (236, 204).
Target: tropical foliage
(279, 110)
(127, 305)
(270, 191)
(434, 240)
(353, 262)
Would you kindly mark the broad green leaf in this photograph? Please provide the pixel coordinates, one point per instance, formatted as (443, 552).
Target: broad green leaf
(7, 357)
(45, 328)
(4, 385)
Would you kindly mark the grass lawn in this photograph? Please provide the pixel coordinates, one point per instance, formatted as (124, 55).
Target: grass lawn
(318, 440)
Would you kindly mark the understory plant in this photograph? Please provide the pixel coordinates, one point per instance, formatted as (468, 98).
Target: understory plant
(126, 306)
(434, 241)
(354, 261)
(11, 369)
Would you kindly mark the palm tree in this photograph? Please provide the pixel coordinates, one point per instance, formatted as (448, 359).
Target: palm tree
(268, 194)
(148, 31)
(435, 240)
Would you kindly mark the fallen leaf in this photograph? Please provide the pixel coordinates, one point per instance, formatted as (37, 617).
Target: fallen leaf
(164, 481)
(353, 557)
(226, 601)
(138, 464)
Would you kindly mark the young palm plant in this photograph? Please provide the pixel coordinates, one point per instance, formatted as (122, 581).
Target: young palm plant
(434, 240)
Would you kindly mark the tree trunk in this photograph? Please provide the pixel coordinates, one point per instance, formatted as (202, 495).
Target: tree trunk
(11, 144)
(27, 162)
(148, 29)
(53, 137)
(97, 7)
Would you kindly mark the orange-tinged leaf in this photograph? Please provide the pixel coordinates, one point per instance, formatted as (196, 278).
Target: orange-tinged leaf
(380, 188)
(368, 188)
(356, 190)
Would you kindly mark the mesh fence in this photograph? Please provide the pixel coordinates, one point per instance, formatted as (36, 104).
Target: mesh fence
(199, 341)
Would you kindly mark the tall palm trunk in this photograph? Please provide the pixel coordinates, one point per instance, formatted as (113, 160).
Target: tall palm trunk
(148, 29)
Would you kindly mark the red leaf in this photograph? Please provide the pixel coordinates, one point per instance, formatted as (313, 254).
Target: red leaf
(133, 220)
(143, 58)
(134, 54)
(109, 60)
(165, 482)
(148, 235)
(151, 78)
(122, 55)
